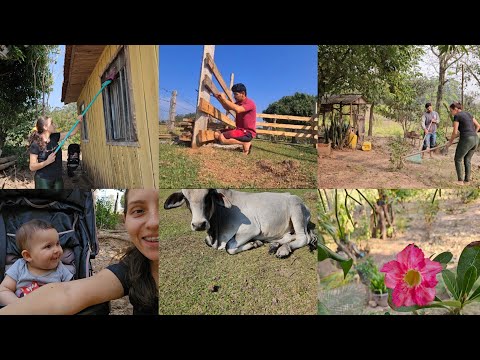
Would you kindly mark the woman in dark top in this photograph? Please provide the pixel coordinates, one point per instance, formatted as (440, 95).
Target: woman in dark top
(468, 127)
(43, 142)
(136, 275)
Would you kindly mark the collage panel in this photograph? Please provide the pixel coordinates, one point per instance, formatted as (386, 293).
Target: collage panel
(398, 251)
(85, 252)
(78, 116)
(398, 116)
(237, 252)
(238, 116)
(78, 179)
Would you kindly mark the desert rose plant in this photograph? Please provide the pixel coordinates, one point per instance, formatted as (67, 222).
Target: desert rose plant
(411, 279)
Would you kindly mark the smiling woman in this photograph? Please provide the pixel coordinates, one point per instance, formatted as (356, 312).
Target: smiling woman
(135, 275)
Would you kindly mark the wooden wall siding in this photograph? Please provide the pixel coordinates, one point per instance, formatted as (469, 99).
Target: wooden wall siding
(135, 165)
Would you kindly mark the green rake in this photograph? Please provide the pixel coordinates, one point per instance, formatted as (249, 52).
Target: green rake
(417, 157)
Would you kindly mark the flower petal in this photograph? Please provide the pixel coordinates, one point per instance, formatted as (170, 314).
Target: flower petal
(403, 295)
(423, 295)
(429, 272)
(410, 256)
(394, 273)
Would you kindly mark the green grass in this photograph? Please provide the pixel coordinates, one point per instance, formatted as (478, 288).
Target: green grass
(385, 127)
(176, 168)
(271, 165)
(251, 282)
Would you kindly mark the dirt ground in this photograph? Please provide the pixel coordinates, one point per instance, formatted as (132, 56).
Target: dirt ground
(372, 169)
(111, 249)
(451, 231)
(12, 178)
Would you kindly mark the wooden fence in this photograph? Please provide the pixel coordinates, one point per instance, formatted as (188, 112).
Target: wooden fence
(304, 127)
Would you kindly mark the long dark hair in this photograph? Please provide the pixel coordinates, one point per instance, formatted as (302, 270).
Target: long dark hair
(143, 289)
(36, 135)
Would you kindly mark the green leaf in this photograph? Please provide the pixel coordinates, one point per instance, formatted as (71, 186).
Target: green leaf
(475, 295)
(326, 253)
(450, 283)
(346, 265)
(322, 309)
(470, 256)
(468, 281)
(444, 258)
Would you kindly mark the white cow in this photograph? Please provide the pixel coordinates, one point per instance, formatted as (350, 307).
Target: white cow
(239, 221)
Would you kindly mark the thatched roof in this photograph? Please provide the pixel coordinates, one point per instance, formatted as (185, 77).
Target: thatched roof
(345, 99)
(80, 60)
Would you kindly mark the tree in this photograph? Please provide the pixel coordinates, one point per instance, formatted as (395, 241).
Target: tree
(447, 56)
(367, 69)
(19, 71)
(64, 118)
(299, 104)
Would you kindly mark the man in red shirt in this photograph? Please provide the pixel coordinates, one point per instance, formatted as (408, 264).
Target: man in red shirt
(245, 119)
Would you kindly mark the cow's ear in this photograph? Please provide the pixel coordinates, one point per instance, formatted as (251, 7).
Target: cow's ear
(222, 200)
(173, 201)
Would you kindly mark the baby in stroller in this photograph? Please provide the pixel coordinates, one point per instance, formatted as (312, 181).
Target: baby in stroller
(40, 263)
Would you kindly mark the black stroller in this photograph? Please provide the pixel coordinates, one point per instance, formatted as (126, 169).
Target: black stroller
(71, 212)
(73, 158)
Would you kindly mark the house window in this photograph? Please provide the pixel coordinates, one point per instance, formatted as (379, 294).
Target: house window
(117, 102)
(84, 124)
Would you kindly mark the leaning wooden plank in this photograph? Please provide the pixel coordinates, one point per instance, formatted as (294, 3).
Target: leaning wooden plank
(6, 165)
(284, 117)
(286, 133)
(218, 76)
(7, 159)
(210, 86)
(209, 109)
(285, 126)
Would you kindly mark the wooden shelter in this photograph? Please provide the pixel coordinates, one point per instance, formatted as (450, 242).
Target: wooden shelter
(119, 142)
(357, 107)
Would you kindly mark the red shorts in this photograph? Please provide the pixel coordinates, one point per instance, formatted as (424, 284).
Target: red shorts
(238, 134)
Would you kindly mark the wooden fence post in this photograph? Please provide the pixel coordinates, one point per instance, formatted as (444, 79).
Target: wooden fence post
(201, 120)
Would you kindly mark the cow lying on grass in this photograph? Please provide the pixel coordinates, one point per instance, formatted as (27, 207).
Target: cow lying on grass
(238, 221)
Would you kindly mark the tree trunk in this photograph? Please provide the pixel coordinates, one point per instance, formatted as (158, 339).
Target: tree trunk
(441, 82)
(370, 121)
(117, 201)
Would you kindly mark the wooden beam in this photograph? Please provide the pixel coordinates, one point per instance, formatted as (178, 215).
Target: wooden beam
(206, 136)
(286, 126)
(284, 117)
(218, 76)
(201, 120)
(211, 110)
(285, 133)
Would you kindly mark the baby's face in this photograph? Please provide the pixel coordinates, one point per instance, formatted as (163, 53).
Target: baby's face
(45, 250)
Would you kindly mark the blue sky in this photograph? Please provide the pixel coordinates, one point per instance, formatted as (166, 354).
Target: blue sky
(56, 94)
(268, 71)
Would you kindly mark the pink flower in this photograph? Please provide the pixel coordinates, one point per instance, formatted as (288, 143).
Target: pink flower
(412, 277)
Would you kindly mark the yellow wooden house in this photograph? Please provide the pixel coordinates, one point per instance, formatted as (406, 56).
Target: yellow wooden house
(119, 142)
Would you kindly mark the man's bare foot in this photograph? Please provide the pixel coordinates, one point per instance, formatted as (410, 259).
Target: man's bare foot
(247, 148)
(461, 183)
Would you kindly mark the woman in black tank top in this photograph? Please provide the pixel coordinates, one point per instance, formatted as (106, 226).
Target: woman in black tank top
(468, 127)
